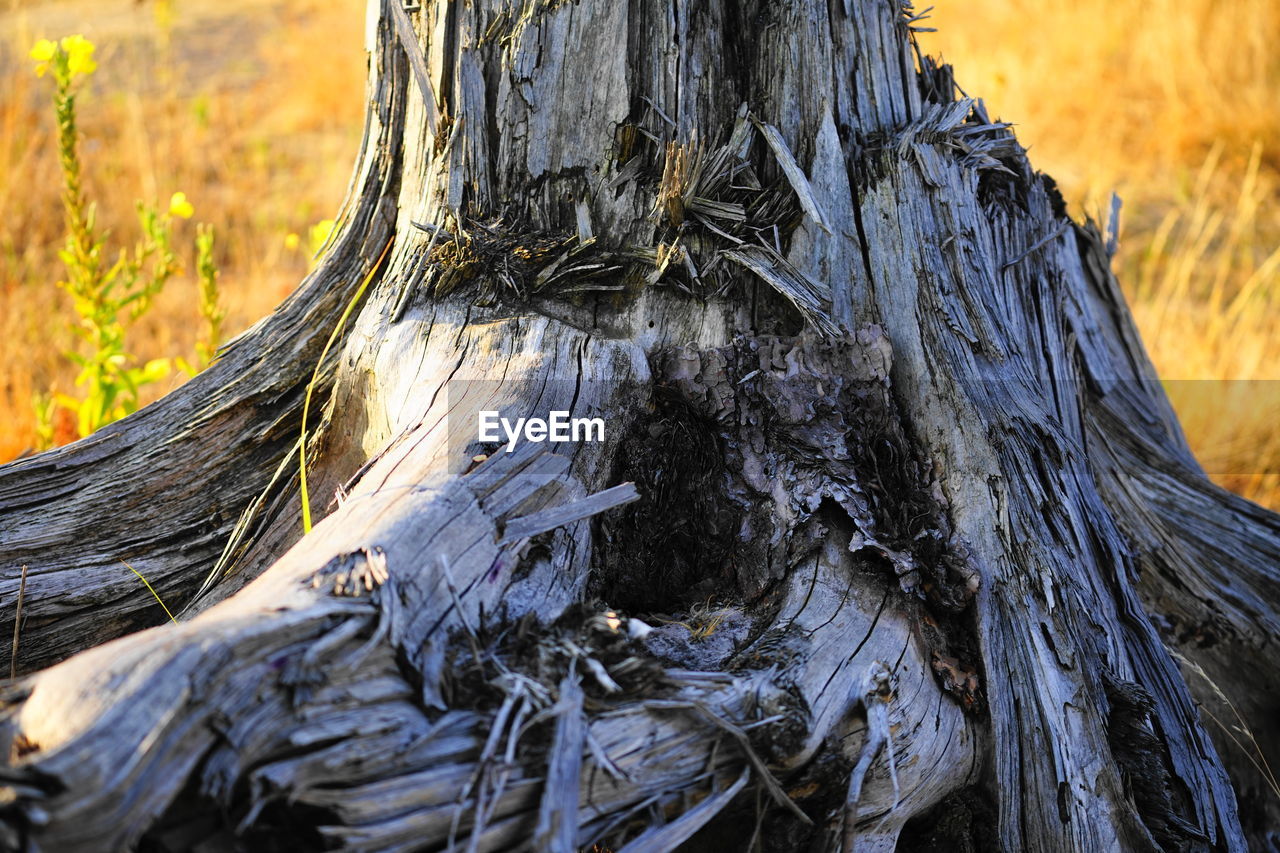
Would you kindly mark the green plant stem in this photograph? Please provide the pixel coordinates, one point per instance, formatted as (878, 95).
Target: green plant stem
(79, 229)
(210, 311)
(315, 378)
(152, 590)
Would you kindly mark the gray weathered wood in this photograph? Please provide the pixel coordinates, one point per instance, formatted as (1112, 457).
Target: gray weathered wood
(887, 418)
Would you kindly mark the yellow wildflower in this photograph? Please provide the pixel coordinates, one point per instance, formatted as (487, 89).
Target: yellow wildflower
(179, 206)
(318, 235)
(79, 52)
(292, 241)
(43, 53)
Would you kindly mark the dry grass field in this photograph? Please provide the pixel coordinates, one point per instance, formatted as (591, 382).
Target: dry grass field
(1175, 106)
(253, 108)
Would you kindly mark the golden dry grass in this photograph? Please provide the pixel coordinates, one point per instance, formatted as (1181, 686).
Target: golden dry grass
(1173, 104)
(254, 110)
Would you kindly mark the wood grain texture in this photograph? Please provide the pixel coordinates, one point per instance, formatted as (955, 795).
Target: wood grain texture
(888, 421)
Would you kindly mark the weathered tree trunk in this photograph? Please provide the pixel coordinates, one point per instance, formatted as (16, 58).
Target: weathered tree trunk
(920, 559)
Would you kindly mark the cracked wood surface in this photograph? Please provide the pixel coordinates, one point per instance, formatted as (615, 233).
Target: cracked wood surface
(977, 483)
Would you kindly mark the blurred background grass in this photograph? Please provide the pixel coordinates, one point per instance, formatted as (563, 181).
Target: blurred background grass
(254, 109)
(1175, 106)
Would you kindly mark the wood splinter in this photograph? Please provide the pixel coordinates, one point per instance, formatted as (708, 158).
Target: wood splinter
(875, 696)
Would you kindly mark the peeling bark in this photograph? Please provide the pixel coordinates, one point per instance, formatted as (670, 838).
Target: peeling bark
(917, 558)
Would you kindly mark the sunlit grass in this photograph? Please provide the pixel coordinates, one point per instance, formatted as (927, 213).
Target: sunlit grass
(110, 287)
(1175, 105)
(223, 99)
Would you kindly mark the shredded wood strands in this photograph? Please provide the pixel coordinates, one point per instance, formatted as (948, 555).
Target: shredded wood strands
(557, 828)
(799, 181)
(964, 127)
(503, 262)
(669, 836)
(680, 171)
(810, 297)
(353, 575)
(711, 205)
(911, 18)
(577, 687)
